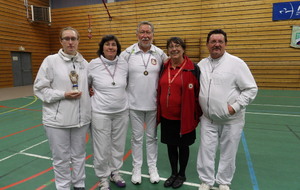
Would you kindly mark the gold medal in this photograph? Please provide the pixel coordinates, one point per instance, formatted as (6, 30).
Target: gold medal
(113, 83)
(146, 73)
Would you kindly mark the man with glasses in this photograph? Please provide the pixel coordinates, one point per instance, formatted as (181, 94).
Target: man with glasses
(227, 87)
(144, 60)
(62, 85)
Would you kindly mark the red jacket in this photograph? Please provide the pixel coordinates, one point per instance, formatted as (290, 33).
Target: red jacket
(190, 108)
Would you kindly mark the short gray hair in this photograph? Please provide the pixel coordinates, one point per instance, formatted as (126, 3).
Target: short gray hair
(145, 23)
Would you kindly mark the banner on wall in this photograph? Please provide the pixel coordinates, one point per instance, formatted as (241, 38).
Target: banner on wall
(295, 41)
(286, 10)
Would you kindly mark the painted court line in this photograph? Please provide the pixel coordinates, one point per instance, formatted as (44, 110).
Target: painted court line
(36, 156)
(274, 105)
(87, 165)
(248, 158)
(22, 151)
(27, 179)
(249, 163)
(273, 114)
(20, 131)
(35, 99)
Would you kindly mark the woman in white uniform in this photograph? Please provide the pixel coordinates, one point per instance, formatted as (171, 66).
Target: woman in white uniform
(108, 80)
(62, 85)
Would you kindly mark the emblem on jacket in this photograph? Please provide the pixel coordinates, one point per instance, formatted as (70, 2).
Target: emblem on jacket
(153, 61)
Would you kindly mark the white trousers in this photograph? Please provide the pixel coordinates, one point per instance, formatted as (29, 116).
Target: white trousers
(68, 151)
(139, 119)
(228, 138)
(109, 138)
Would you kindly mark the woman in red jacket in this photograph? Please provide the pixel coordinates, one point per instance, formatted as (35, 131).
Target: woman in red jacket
(178, 108)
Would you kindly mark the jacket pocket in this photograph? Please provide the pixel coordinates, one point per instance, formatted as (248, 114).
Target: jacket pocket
(219, 110)
(67, 112)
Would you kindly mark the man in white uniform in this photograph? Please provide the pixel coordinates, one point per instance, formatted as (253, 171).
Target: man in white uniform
(144, 60)
(227, 87)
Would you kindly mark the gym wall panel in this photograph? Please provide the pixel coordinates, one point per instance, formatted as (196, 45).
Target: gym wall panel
(17, 31)
(252, 35)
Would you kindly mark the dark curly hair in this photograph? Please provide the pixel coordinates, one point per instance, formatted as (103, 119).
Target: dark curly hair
(105, 39)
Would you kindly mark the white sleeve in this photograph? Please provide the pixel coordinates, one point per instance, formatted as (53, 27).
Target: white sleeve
(42, 84)
(247, 86)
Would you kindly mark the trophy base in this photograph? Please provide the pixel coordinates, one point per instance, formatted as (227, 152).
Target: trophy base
(75, 90)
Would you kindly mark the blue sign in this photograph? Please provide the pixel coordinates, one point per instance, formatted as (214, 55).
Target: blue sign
(287, 10)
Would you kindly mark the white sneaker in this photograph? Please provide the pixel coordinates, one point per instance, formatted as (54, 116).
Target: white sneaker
(104, 184)
(204, 186)
(136, 177)
(154, 177)
(224, 187)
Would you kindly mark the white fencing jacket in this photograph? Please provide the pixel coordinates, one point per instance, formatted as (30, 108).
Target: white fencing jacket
(50, 85)
(225, 81)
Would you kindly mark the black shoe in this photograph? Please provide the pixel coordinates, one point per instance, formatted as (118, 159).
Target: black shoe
(178, 182)
(169, 182)
(79, 188)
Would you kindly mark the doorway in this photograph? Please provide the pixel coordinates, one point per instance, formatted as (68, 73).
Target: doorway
(22, 69)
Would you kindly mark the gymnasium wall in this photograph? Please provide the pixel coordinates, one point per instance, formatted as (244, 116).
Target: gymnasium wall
(17, 34)
(252, 35)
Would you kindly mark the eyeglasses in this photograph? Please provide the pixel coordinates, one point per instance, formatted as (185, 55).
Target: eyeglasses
(145, 32)
(177, 46)
(213, 42)
(69, 38)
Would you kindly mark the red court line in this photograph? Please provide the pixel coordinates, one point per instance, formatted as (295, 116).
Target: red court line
(87, 137)
(88, 157)
(19, 108)
(95, 186)
(24, 180)
(127, 155)
(20, 131)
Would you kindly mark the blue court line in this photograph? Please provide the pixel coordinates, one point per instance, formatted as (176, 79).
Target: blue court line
(249, 162)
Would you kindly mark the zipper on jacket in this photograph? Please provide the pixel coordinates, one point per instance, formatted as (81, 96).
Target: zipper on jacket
(209, 87)
(57, 109)
(168, 94)
(79, 117)
(182, 86)
(208, 98)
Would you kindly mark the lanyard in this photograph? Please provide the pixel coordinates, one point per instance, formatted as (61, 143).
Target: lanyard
(146, 64)
(111, 75)
(170, 81)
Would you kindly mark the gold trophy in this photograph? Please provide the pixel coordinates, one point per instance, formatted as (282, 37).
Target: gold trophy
(74, 79)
